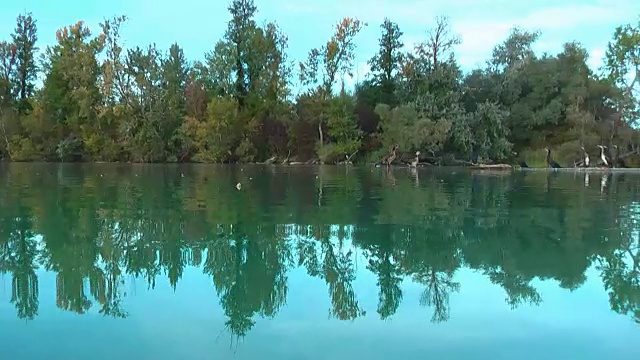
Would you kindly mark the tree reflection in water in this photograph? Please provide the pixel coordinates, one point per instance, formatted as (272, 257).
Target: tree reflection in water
(92, 225)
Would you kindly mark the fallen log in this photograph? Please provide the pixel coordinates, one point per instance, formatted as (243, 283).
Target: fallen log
(491, 167)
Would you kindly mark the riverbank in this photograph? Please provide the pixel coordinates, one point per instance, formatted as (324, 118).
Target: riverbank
(477, 167)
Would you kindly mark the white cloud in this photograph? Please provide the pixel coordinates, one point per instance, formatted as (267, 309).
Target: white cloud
(481, 24)
(480, 36)
(484, 23)
(596, 57)
(415, 12)
(360, 72)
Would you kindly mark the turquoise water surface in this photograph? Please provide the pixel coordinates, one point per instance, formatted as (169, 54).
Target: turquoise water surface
(174, 262)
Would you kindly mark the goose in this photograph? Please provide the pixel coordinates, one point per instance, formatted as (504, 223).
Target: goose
(392, 157)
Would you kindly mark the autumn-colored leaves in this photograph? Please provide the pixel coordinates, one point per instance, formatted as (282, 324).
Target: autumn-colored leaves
(336, 56)
(150, 104)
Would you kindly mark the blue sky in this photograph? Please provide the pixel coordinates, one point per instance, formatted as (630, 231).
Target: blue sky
(198, 24)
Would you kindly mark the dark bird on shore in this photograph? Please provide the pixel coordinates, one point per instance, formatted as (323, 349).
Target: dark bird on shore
(416, 160)
(521, 163)
(550, 162)
(618, 162)
(606, 160)
(585, 158)
(474, 157)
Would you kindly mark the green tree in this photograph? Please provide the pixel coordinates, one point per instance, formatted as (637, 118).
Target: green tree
(24, 39)
(622, 63)
(70, 95)
(175, 72)
(8, 118)
(386, 63)
(240, 29)
(147, 138)
(101, 102)
(325, 64)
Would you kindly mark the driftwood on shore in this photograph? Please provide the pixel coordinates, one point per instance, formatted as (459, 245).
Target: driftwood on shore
(430, 161)
(274, 161)
(347, 160)
(586, 170)
(491, 167)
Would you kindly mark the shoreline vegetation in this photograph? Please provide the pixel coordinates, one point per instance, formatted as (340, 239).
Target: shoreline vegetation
(102, 102)
(477, 169)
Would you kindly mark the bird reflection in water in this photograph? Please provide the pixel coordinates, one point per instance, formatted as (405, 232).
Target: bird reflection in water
(414, 175)
(392, 179)
(603, 182)
(586, 179)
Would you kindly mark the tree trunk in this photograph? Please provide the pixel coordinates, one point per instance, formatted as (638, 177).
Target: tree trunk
(6, 140)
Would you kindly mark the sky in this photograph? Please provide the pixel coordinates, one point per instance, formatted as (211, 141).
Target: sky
(198, 24)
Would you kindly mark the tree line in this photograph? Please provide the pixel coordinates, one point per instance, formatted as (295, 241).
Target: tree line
(102, 224)
(101, 102)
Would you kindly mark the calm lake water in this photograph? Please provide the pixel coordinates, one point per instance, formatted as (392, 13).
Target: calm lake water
(173, 262)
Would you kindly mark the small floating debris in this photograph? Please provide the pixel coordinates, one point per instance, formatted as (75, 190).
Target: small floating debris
(238, 186)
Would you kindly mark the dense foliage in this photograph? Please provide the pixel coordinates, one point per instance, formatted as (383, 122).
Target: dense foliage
(97, 226)
(100, 102)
